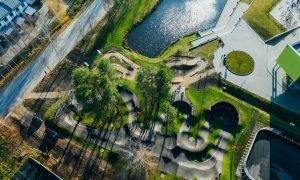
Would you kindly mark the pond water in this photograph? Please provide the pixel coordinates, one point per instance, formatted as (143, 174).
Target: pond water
(273, 157)
(171, 20)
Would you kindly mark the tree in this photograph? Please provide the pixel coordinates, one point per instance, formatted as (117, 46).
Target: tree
(163, 79)
(84, 80)
(154, 86)
(59, 9)
(146, 85)
(170, 116)
(98, 87)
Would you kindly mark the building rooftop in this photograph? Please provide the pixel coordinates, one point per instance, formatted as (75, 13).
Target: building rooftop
(33, 170)
(289, 60)
(31, 1)
(3, 11)
(12, 4)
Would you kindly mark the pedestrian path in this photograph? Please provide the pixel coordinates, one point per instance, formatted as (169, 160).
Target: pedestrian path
(229, 19)
(126, 73)
(240, 169)
(192, 78)
(48, 95)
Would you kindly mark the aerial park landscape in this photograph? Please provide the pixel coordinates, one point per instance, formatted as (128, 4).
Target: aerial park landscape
(155, 89)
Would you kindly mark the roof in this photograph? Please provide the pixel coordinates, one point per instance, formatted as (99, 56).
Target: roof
(6, 30)
(30, 11)
(3, 12)
(31, 1)
(289, 60)
(33, 170)
(12, 4)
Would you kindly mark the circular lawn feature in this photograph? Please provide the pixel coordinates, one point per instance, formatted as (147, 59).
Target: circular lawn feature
(239, 63)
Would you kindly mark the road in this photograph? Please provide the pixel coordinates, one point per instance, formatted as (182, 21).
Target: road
(52, 55)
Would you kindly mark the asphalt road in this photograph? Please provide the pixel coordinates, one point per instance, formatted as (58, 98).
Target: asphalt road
(52, 55)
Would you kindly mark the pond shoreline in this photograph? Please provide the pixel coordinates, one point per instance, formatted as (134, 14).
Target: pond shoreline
(204, 23)
(138, 22)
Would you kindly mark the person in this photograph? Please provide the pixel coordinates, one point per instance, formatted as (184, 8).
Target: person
(182, 94)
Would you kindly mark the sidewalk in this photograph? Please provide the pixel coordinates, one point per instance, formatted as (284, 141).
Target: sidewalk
(228, 20)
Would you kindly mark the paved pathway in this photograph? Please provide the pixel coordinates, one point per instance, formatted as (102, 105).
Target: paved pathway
(185, 61)
(236, 34)
(287, 13)
(180, 164)
(127, 74)
(263, 81)
(47, 95)
(226, 23)
(175, 160)
(196, 72)
(191, 77)
(52, 55)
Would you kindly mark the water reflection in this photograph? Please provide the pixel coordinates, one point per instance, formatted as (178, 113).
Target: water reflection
(171, 20)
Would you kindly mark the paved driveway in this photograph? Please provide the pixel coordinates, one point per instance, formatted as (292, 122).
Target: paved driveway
(262, 81)
(52, 55)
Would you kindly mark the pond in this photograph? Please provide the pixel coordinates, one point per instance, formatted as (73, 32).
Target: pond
(273, 157)
(171, 20)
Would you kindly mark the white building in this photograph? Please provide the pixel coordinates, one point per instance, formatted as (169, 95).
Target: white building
(10, 12)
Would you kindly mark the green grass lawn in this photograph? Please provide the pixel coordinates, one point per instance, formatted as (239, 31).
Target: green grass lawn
(239, 63)
(259, 18)
(203, 99)
(207, 51)
(7, 163)
(50, 113)
(212, 95)
(131, 85)
(132, 11)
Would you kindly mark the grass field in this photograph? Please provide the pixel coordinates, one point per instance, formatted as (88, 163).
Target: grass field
(207, 51)
(259, 18)
(239, 63)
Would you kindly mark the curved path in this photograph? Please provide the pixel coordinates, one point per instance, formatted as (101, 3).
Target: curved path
(50, 57)
(184, 61)
(127, 74)
(175, 157)
(193, 145)
(173, 150)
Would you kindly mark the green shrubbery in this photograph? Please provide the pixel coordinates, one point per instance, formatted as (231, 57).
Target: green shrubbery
(49, 114)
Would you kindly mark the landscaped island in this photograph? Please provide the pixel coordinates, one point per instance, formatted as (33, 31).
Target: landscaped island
(239, 63)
